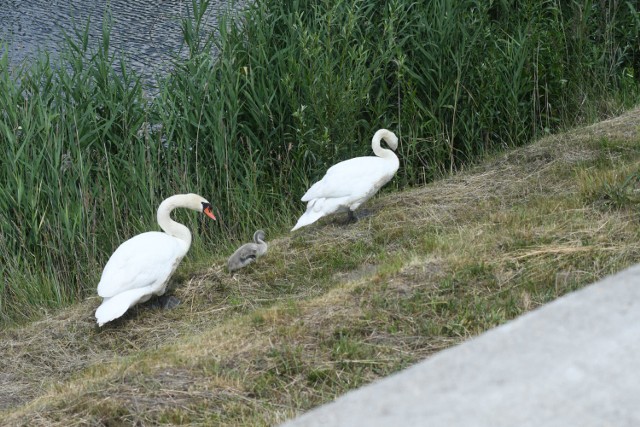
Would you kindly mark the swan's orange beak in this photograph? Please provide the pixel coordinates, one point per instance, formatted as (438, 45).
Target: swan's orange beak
(208, 211)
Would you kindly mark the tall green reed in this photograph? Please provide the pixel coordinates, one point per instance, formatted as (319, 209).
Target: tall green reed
(294, 87)
(63, 126)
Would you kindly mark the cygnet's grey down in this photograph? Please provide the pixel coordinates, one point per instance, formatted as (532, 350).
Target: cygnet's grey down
(248, 252)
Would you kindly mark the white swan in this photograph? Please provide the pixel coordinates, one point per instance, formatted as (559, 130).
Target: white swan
(352, 182)
(248, 252)
(141, 266)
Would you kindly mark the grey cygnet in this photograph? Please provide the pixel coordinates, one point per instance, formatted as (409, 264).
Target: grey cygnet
(248, 253)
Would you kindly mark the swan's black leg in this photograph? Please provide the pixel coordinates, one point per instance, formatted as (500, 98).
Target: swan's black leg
(354, 217)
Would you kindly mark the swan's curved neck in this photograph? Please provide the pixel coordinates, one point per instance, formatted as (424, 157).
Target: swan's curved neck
(384, 153)
(170, 226)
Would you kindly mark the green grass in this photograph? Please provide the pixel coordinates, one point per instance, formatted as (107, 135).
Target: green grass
(338, 305)
(296, 87)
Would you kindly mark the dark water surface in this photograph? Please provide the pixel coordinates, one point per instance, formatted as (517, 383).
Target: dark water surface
(146, 31)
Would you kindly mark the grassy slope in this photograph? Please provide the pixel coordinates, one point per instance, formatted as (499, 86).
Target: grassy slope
(333, 307)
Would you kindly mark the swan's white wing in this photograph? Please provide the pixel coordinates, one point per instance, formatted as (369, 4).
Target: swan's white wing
(345, 186)
(147, 259)
(116, 306)
(352, 177)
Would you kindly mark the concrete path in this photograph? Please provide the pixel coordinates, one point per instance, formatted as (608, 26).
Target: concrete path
(572, 362)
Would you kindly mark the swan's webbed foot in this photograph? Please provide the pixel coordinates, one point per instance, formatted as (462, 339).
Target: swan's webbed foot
(166, 302)
(351, 217)
(169, 302)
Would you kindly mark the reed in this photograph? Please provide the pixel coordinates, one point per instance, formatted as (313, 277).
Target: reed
(294, 87)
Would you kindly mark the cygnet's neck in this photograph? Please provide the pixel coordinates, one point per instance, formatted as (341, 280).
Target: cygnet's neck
(261, 245)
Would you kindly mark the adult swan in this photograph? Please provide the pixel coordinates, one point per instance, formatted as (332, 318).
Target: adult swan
(352, 182)
(141, 266)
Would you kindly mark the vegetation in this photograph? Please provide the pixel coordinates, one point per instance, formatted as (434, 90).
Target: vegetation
(296, 86)
(336, 306)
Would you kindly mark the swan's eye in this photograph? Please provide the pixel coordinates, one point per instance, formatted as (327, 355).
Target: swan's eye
(208, 210)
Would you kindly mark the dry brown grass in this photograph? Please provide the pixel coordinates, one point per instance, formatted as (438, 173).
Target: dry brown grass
(333, 307)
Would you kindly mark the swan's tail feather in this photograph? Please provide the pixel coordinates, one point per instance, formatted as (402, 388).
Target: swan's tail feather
(307, 218)
(317, 208)
(114, 307)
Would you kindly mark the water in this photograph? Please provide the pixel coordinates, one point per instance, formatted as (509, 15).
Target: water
(147, 32)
